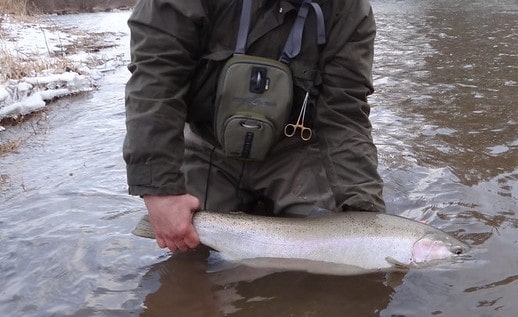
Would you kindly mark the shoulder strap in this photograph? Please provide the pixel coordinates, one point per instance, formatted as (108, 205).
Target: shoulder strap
(294, 41)
(244, 26)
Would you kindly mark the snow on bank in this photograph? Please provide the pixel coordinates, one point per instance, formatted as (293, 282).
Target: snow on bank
(64, 67)
(21, 97)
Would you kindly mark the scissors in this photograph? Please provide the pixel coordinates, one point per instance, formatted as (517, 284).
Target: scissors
(305, 132)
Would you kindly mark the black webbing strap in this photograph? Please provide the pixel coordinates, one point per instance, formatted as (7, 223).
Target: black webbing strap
(294, 41)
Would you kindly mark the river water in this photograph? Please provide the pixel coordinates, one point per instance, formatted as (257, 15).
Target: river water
(445, 120)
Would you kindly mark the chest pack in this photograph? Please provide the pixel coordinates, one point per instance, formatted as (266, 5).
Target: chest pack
(254, 95)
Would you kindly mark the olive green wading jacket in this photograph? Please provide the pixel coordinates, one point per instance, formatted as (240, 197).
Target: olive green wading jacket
(177, 48)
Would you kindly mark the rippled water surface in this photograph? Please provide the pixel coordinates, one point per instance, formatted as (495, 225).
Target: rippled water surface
(445, 119)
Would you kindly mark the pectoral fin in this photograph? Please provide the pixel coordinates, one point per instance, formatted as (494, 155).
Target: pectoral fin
(399, 266)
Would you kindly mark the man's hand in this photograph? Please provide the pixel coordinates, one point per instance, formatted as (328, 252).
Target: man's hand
(171, 219)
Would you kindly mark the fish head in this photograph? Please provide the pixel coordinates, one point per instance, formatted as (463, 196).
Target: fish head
(433, 246)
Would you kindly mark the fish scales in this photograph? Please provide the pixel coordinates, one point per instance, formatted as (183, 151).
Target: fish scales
(363, 240)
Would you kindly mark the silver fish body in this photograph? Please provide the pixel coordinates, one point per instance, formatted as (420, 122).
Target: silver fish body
(349, 241)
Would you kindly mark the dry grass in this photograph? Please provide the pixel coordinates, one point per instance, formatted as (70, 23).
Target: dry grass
(17, 65)
(9, 146)
(11, 142)
(13, 66)
(16, 7)
(4, 179)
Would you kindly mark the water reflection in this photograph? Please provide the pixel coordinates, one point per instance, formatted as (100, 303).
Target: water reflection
(180, 287)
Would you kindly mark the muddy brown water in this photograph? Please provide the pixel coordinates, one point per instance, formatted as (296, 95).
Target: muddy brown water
(446, 122)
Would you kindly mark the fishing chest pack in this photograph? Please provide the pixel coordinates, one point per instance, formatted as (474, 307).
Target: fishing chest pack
(254, 95)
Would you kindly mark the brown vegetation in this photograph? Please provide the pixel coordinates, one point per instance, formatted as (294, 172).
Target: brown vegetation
(9, 146)
(17, 65)
(12, 141)
(66, 6)
(16, 7)
(29, 7)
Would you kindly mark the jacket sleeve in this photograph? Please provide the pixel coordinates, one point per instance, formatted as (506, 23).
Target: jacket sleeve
(165, 44)
(342, 123)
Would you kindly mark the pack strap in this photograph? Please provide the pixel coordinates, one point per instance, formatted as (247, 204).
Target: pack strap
(321, 27)
(294, 41)
(244, 26)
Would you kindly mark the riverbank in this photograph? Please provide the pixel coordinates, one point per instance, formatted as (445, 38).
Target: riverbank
(31, 7)
(41, 62)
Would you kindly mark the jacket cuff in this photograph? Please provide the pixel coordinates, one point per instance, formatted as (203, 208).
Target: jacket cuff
(362, 206)
(154, 179)
(362, 202)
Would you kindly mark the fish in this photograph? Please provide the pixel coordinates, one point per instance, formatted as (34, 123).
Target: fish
(342, 243)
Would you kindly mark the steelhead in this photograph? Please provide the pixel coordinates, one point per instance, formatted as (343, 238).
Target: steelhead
(339, 243)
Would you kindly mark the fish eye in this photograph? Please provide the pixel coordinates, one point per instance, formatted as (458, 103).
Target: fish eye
(458, 250)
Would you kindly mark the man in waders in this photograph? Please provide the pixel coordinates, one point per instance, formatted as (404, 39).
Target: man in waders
(250, 105)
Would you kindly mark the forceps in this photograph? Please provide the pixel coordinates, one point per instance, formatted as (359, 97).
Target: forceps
(305, 132)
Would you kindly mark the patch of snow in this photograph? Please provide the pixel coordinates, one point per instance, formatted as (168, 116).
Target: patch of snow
(4, 94)
(21, 97)
(26, 106)
(44, 41)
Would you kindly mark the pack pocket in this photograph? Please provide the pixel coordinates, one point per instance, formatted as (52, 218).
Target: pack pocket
(247, 138)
